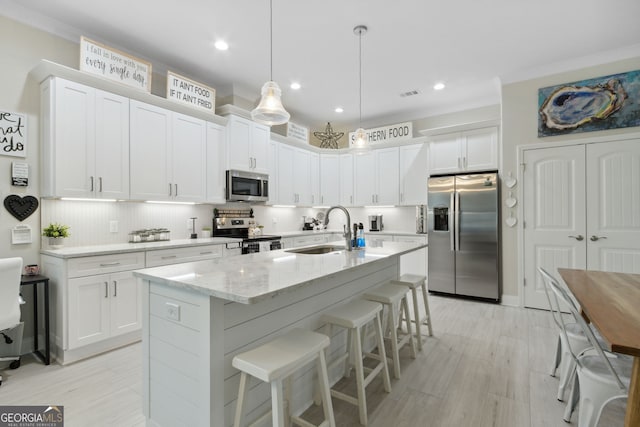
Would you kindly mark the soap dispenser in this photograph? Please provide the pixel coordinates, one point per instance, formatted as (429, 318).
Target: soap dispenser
(360, 236)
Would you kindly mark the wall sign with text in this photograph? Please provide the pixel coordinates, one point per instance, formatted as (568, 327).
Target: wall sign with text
(13, 134)
(185, 91)
(296, 131)
(104, 61)
(386, 134)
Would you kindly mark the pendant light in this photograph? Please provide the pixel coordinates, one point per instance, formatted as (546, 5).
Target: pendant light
(270, 110)
(361, 136)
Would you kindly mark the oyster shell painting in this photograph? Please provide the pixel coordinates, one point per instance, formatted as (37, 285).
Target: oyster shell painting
(603, 103)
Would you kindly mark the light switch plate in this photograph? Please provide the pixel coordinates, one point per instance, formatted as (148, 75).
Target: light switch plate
(172, 311)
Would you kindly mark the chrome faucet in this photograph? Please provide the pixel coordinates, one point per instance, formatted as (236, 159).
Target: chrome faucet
(346, 229)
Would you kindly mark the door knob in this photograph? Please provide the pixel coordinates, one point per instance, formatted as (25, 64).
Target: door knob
(596, 238)
(579, 237)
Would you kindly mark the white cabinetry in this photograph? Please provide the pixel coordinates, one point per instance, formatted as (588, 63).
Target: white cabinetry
(85, 141)
(414, 262)
(346, 180)
(413, 174)
(286, 192)
(247, 145)
(314, 172)
(296, 182)
(377, 177)
(168, 155)
(467, 151)
(274, 175)
(329, 178)
(178, 255)
(216, 163)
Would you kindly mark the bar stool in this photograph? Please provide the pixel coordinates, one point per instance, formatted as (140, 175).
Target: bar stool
(354, 316)
(394, 296)
(277, 360)
(413, 282)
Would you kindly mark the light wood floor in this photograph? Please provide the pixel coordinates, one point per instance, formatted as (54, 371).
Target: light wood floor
(487, 365)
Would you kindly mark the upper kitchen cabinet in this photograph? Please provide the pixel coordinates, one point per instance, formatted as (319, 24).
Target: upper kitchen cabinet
(414, 174)
(346, 180)
(247, 145)
(85, 142)
(376, 175)
(273, 173)
(329, 179)
(216, 163)
(168, 155)
(468, 151)
(296, 184)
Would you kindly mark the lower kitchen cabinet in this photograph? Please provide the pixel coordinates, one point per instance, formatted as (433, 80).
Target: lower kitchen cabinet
(178, 255)
(103, 306)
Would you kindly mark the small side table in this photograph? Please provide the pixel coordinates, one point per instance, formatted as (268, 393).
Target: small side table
(35, 280)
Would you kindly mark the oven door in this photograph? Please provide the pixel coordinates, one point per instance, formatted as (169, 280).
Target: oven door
(247, 186)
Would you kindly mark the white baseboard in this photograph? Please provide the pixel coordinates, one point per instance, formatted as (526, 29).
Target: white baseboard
(510, 300)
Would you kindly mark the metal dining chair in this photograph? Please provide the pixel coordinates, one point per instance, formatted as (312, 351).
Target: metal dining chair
(597, 381)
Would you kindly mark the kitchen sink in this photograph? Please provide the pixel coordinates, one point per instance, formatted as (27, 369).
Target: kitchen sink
(317, 250)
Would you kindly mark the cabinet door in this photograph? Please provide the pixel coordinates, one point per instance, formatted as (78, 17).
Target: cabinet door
(364, 178)
(286, 191)
(188, 158)
(480, 149)
(413, 174)
(329, 179)
(216, 152)
(274, 178)
(88, 310)
(112, 146)
(314, 178)
(346, 180)
(260, 136)
(444, 154)
(414, 262)
(73, 152)
(239, 143)
(387, 177)
(125, 304)
(302, 177)
(150, 133)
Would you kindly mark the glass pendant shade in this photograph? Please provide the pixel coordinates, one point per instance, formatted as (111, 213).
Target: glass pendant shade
(270, 110)
(361, 138)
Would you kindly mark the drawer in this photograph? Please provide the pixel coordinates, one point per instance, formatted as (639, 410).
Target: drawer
(416, 239)
(178, 255)
(103, 264)
(309, 240)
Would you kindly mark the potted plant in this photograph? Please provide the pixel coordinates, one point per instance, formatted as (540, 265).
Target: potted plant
(56, 232)
(206, 232)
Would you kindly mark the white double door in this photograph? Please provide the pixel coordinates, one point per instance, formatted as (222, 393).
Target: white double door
(581, 207)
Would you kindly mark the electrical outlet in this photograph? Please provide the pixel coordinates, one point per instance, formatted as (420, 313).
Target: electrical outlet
(172, 311)
(274, 220)
(113, 226)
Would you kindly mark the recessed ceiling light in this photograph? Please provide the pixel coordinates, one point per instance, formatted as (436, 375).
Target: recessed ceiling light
(339, 110)
(221, 45)
(438, 86)
(295, 86)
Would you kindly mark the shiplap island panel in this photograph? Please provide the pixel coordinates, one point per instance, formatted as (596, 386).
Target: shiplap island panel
(197, 316)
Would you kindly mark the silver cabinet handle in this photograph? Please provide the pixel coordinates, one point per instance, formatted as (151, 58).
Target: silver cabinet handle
(109, 264)
(170, 190)
(464, 162)
(100, 184)
(206, 253)
(596, 238)
(351, 199)
(106, 289)
(115, 288)
(169, 256)
(321, 199)
(176, 186)
(91, 183)
(579, 237)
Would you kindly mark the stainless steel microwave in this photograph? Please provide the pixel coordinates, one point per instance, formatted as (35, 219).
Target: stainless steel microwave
(247, 186)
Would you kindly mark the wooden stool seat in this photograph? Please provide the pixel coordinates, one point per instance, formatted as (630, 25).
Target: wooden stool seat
(354, 316)
(414, 282)
(276, 360)
(393, 296)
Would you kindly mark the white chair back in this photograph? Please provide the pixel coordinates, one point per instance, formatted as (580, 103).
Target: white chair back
(10, 272)
(563, 295)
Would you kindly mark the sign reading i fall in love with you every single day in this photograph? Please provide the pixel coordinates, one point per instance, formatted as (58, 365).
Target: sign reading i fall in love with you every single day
(189, 92)
(99, 59)
(13, 134)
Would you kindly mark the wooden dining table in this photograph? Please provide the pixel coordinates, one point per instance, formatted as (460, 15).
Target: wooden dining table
(611, 301)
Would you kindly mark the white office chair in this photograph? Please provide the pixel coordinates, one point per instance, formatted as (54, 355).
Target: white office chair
(10, 272)
(598, 381)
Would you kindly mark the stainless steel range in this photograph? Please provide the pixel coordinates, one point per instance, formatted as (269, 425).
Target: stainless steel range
(236, 223)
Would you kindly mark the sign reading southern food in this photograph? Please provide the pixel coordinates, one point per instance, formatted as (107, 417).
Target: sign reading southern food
(13, 134)
(99, 59)
(386, 134)
(186, 91)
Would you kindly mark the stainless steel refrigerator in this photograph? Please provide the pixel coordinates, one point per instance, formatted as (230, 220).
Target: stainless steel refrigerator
(464, 240)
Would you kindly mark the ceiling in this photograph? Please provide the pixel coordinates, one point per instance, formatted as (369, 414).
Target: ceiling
(472, 46)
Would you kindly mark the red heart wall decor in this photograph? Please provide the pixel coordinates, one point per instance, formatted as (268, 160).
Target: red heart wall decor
(21, 207)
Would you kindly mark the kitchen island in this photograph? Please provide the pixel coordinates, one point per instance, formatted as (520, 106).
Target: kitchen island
(197, 316)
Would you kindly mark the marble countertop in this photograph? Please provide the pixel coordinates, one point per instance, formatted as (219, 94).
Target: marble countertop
(251, 278)
(313, 232)
(82, 251)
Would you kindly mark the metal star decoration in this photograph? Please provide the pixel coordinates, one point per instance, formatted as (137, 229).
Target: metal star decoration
(328, 138)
